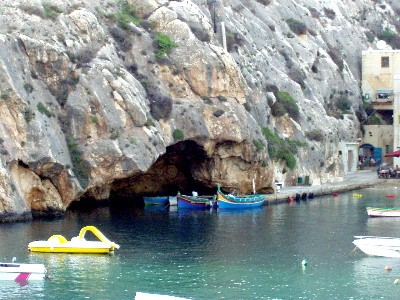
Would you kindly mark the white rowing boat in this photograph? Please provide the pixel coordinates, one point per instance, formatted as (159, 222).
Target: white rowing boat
(22, 272)
(378, 246)
(383, 212)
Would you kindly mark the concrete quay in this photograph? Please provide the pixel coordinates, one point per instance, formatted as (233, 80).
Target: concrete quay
(355, 181)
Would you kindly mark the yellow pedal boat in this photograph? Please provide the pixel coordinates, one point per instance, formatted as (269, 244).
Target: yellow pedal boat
(59, 244)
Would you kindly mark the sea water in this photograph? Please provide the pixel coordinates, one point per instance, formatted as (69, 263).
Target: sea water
(288, 251)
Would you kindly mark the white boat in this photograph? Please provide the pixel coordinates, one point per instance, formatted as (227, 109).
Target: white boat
(383, 212)
(22, 272)
(378, 246)
(146, 296)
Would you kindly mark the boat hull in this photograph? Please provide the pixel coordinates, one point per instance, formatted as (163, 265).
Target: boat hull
(69, 247)
(22, 272)
(195, 202)
(379, 246)
(156, 201)
(375, 212)
(59, 244)
(231, 202)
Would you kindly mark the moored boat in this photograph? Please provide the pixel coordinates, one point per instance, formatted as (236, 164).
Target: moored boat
(378, 246)
(157, 200)
(59, 244)
(147, 296)
(22, 272)
(195, 202)
(238, 202)
(383, 212)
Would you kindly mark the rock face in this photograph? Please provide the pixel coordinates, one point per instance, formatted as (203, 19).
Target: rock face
(101, 100)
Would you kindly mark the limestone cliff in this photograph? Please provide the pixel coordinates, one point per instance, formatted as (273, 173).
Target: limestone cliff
(103, 99)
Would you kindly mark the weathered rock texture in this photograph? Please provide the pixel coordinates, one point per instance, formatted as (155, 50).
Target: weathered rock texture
(89, 111)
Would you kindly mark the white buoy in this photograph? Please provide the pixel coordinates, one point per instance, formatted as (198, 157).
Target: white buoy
(388, 268)
(397, 281)
(304, 263)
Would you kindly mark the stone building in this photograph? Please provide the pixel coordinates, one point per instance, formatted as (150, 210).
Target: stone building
(381, 94)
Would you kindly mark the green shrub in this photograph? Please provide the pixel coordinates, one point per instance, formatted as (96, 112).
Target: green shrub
(149, 122)
(286, 155)
(207, 100)
(390, 37)
(279, 149)
(28, 88)
(290, 105)
(373, 120)
(51, 11)
(164, 43)
(370, 36)
(343, 103)
(122, 38)
(43, 109)
(178, 135)
(28, 115)
(94, 119)
(4, 96)
(222, 98)
(80, 167)
(259, 145)
(269, 135)
(296, 26)
(85, 55)
(126, 15)
(114, 134)
(387, 35)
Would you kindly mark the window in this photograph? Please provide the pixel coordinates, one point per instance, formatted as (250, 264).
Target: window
(384, 95)
(387, 148)
(385, 62)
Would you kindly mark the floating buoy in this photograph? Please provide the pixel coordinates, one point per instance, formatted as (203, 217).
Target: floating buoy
(334, 194)
(397, 281)
(388, 268)
(390, 196)
(290, 199)
(304, 263)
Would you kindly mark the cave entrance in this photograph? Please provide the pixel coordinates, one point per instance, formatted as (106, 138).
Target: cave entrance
(173, 172)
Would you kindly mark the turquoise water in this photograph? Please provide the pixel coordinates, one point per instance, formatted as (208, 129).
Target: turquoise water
(254, 254)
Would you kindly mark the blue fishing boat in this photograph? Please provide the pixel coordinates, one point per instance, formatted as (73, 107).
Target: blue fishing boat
(195, 202)
(157, 200)
(239, 202)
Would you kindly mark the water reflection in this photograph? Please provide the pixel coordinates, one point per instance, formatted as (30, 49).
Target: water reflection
(371, 278)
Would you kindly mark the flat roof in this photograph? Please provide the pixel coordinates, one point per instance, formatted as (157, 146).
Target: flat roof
(380, 51)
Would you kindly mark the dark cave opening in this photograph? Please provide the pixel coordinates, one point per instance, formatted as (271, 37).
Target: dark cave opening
(173, 172)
